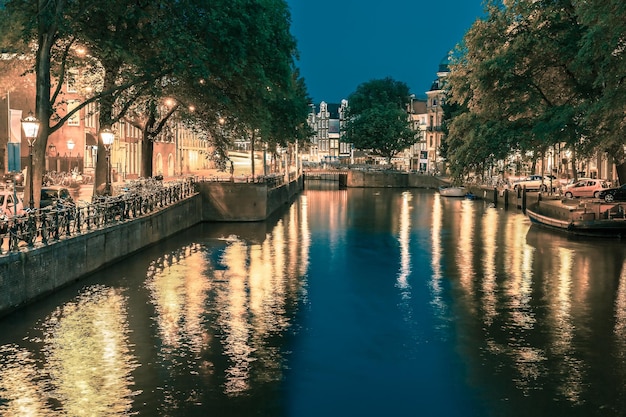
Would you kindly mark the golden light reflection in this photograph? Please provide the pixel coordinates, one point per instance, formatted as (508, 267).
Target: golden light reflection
(518, 288)
(233, 302)
(88, 357)
(563, 328)
(465, 251)
(620, 314)
(490, 247)
(178, 290)
(251, 287)
(21, 388)
(404, 240)
(437, 252)
(304, 237)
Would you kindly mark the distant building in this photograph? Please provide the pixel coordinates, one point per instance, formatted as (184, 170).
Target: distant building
(417, 154)
(328, 123)
(434, 133)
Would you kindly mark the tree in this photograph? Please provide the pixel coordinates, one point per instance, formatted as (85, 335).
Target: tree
(602, 57)
(55, 36)
(377, 118)
(516, 71)
(235, 50)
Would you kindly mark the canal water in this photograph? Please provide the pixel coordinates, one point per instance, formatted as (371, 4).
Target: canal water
(358, 302)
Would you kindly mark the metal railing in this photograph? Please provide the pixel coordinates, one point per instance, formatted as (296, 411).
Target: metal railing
(65, 220)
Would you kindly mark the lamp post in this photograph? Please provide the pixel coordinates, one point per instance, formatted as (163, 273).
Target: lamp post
(107, 139)
(70, 146)
(30, 125)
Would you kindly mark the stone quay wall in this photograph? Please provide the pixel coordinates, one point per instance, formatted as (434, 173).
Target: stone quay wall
(244, 202)
(392, 179)
(29, 274)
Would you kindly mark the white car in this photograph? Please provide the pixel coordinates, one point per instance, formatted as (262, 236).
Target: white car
(537, 183)
(10, 204)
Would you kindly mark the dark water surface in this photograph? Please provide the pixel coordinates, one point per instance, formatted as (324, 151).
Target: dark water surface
(362, 302)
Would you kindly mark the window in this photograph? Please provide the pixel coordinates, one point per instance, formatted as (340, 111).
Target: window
(74, 120)
(91, 112)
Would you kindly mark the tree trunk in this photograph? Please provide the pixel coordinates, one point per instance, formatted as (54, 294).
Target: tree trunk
(252, 154)
(621, 172)
(147, 149)
(42, 111)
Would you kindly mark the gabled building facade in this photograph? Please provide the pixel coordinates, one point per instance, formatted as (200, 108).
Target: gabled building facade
(434, 112)
(417, 154)
(326, 144)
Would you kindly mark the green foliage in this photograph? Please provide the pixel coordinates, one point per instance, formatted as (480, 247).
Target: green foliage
(231, 60)
(536, 74)
(377, 118)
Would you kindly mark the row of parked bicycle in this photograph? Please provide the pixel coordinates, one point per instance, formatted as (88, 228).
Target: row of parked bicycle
(67, 179)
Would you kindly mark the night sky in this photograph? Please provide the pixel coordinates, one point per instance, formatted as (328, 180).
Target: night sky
(343, 43)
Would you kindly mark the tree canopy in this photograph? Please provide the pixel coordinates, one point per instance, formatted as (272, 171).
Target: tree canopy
(231, 60)
(377, 118)
(535, 74)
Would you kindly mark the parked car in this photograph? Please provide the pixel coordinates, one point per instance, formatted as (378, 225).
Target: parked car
(54, 193)
(11, 204)
(537, 183)
(613, 194)
(585, 187)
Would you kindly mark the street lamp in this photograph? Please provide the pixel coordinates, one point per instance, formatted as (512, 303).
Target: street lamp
(107, 137)
(70, 146)
(30, 125)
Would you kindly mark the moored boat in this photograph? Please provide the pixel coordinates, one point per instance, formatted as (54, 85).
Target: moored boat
(595, 219)
(452, 191)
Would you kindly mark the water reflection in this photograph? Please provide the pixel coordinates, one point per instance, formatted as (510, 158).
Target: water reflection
(404, 240)
(436, 254)
(226, 301)
(22, 387)
(489, 287)
(343, 302)
(87, 364)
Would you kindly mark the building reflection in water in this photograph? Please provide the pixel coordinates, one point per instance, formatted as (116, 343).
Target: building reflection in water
(530, 299)
(404, 239)
(465, 240)
(538, 319)
(87, 367)
(220, 305)
(436, 255)
(489, 285)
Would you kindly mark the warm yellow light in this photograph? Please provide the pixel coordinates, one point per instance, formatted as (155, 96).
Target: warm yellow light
(107, 136)
(30, 124)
